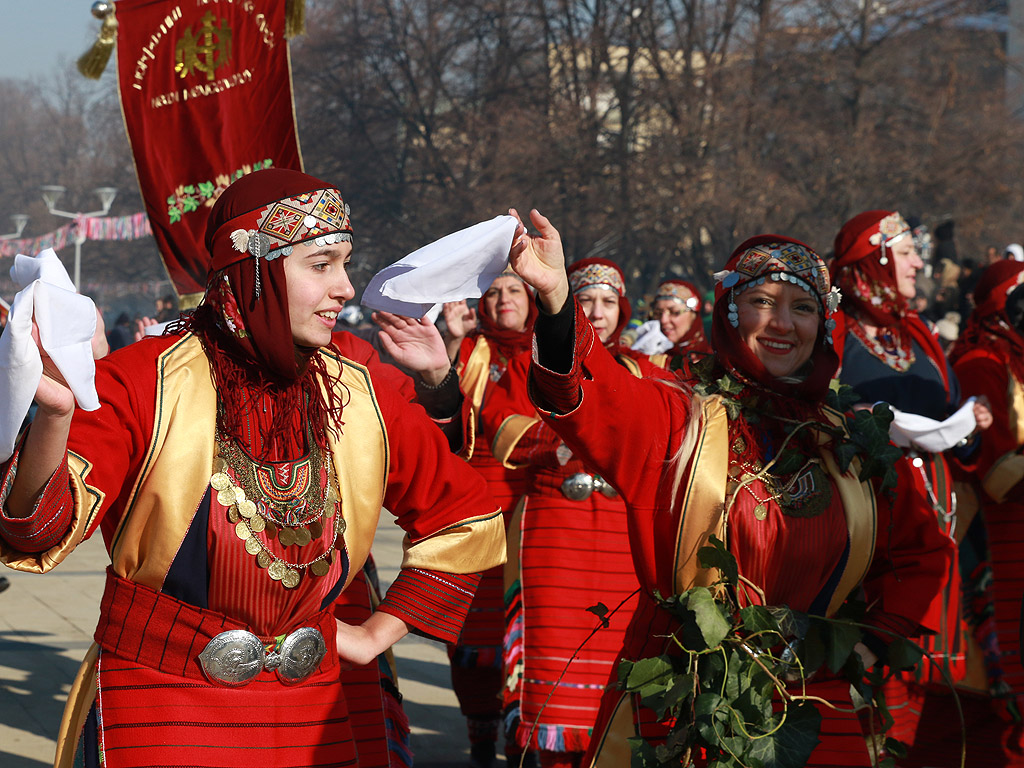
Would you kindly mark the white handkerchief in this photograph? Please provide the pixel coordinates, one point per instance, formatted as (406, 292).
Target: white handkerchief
(908, 430)
(459, 266)
(650, 340)
(67, 322)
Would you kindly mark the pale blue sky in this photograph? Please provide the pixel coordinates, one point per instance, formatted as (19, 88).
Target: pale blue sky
(38, 36)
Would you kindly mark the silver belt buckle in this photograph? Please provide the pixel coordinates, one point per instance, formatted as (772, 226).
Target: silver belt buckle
(578, 487)
(235, 657)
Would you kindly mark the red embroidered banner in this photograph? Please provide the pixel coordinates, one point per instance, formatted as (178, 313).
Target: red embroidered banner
(206, 93)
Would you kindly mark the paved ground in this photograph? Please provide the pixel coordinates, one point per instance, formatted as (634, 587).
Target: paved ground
(46, 625)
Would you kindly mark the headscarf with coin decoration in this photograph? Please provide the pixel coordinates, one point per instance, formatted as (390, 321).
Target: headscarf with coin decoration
(989, 325)
(779, 259)
(602, 273)
(244, 322)
(864, 269)
(685, 293)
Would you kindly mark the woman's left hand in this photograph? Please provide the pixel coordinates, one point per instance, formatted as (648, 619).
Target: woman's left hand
(982, 414)
(414, 344)
(360, 644)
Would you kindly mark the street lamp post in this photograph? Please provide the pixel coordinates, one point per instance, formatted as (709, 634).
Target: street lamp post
(52, 194)
(20, 220)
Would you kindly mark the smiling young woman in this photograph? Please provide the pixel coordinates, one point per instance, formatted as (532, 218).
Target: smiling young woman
(698, 457)
(236, 471)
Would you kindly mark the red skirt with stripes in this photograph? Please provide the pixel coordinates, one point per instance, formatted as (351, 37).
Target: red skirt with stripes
(574, 555)
(476, 659)
(152, 718)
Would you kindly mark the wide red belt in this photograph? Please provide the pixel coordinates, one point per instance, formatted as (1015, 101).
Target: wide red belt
(161, 632)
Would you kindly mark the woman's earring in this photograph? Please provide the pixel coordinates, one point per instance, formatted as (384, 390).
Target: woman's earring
(734, 311)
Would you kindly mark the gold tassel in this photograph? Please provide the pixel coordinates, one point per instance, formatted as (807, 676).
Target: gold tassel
(294, 18)
(94, 61)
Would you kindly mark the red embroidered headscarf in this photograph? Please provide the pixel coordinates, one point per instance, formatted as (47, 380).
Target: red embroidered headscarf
(989, 325)
(510, 342)
(864, 270)
(686, 293)
(244, 322)
(776, 258)
(602, 273)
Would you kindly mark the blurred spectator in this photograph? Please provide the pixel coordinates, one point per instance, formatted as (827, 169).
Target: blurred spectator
(948, 329)
(969, 274)
(121, 335)
(945, 248)
(166, 309)
(992, 256)
(1014, 251)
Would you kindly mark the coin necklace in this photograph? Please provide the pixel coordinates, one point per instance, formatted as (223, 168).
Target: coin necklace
(291, 500)
(249, 520)
(807, 493)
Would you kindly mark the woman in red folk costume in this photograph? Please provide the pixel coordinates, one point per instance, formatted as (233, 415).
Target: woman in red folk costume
(692, 462)
(506, 317)
(677, 309)
(989, 361)
(568, 552)
(236, 471)
(888, 354)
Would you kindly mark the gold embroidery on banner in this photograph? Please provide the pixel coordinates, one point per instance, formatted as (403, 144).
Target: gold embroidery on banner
(204, 51)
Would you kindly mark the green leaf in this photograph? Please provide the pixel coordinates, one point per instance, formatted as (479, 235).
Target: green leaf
(839, 644)
(708, 712)
(903, 654)
(670, 698)
(841, 397)
(601, 611)
(718, 556)
(846, 452)
(896, 748)
(656, 670)
(791, 623)
(792, 744)
(707, 613)
(812, 649)
(757, 618)
(641, 753)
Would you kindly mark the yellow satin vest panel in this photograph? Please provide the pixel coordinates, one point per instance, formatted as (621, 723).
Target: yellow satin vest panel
(705, 449)
(476, 372)
(362, 456)
(179, 460)
(1015, 403)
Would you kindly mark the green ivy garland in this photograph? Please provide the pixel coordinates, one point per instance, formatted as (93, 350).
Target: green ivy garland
(729, 664)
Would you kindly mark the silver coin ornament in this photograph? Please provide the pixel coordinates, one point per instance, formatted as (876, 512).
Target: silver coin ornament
(233, 658)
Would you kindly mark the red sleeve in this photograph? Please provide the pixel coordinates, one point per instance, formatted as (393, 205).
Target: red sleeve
(50, 519)
(624, 427)
(508, 398)
(432, 603)
(111, 440)
(426, 504)
(984, 374)
(910, 566)
(362, 352)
